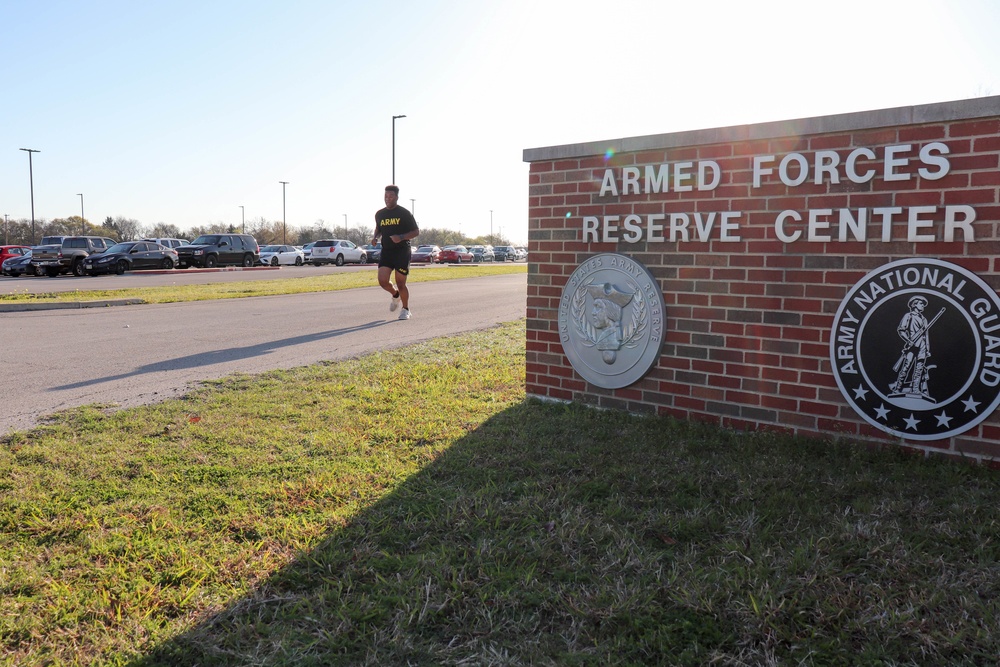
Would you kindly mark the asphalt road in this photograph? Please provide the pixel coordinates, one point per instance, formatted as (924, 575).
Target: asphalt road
(133, 355)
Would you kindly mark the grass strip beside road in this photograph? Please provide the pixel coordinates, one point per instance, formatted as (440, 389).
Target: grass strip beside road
(413, 508)
(236, 290)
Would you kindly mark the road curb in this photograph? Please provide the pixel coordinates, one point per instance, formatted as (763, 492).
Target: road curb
(62, 305)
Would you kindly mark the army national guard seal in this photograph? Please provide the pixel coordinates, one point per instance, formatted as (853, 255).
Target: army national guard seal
(611, 320)
(915, 349)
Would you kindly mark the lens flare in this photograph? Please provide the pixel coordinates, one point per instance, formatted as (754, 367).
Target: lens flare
(568, 214)
(608, 154)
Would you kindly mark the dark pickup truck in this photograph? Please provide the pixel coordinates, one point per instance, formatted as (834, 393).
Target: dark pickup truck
(65, 254)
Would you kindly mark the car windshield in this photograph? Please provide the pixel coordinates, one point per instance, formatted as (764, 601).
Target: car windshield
(206, 240)
(121, 247)
(271, 248)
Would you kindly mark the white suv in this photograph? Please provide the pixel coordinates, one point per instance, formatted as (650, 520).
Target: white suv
(337, 251)
(170, 243)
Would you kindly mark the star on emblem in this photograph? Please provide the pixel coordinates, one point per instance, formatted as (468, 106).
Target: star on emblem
(970, 404)
(911, 422)
(943, 419)
(861, 393)
(881, 411)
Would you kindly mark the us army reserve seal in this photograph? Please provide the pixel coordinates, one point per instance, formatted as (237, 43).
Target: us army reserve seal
(611, 320)
(915, 349)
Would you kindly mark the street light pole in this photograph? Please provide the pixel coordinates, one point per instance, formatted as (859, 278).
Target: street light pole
(491, 226)
(283, 184)
(413, 207)
(83, 225)
(345, 224)
(31, 180)
(394, 146)
(243, 218)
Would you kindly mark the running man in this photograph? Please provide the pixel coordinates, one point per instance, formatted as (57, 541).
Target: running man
(396, 226)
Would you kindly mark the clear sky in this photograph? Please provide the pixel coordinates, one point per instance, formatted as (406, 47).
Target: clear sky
(181, 111)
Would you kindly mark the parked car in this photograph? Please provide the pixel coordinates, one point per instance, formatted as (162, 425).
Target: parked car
(170, 243)
(273, 255)
(455, 254)
(504, 253)
(17, 265)
(337, 251)
(482, 253)
(8, 251)
(522, 253)
(425, 253)
(374, 252)
(307, 251)
(131, 256)
(210, 250)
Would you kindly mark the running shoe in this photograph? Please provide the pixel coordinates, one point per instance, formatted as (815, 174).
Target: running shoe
(394, 304)
(404, 314)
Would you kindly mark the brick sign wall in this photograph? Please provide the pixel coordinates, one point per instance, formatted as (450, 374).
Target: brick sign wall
(760, 238)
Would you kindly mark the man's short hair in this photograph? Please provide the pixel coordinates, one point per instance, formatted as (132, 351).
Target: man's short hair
(392, 188)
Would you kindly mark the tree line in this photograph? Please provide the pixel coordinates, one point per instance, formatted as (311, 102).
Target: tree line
(267, 232)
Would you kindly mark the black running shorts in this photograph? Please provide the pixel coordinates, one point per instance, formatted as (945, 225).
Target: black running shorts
(398, 259)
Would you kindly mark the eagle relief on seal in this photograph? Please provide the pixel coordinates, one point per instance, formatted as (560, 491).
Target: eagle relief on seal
(612, 320)
(603, 327)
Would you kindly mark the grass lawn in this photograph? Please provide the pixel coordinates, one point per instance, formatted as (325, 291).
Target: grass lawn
(413, 508)
(236, 290)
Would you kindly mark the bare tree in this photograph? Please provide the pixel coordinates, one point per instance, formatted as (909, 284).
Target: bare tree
(122, 228)
(162, 230)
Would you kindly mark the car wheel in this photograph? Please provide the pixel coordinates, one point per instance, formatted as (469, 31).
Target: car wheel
(167, 263)
(340, 260)
(364, 259)
(211, 261)
(298, 261)
(274, 261)
(247, 261)
(78, 268)
(121, 267)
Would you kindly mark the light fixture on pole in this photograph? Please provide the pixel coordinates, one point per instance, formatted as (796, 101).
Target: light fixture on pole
(31, 180)
(283, 184)
(394, 146)
(83, 225)
(243, 218)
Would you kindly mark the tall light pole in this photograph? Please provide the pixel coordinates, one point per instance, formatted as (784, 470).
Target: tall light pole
(283, 184)
(345, 224)
(83, 227)
(413, 207)
(6, 239)
(243, 218)
(394, 146)
(491, 226)
(31, 180)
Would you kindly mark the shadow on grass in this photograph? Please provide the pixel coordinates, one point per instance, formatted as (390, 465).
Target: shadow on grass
(503, 550)
(558, 535)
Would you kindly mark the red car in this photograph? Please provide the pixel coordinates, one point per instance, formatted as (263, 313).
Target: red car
(455, 254)
(8, 251)
(425, 253)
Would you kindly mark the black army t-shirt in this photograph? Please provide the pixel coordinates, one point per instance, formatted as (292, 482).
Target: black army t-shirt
(394, 221)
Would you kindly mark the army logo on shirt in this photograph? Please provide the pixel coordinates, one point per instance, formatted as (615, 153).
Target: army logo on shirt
(915, 349)
(611, 320)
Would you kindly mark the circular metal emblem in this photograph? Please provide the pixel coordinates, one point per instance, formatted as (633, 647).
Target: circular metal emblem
(611, 320)
(915, 349)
